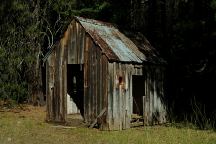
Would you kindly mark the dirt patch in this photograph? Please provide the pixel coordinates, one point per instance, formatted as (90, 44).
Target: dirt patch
(39, 114)
(75, 120)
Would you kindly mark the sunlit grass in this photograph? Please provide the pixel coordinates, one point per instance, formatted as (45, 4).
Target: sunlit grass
(29, 127)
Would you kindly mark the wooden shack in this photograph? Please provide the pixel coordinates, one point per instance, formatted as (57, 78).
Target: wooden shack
(109, 77)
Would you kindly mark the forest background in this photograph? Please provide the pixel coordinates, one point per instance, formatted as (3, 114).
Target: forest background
(183, 32)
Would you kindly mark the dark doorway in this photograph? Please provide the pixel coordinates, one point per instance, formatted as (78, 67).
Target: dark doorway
(75, 85)
(138, 93)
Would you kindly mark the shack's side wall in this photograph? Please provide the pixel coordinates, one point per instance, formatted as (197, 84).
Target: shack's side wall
(95, 82)
(154, 106)
(120, 100)
(56, 83)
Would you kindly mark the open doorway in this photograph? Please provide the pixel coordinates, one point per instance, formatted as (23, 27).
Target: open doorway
(75, 93)
(138, 91)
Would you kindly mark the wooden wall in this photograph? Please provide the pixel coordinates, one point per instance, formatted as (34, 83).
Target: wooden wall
(95, 82)
(56, 75)
(107, 85)
(76, 43)
(120, 100)
(82, 50)
(154, 106)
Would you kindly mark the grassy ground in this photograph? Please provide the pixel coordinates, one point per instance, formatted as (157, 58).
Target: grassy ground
(29, 127)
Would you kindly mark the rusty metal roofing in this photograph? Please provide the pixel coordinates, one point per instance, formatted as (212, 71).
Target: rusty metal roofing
(115, 45)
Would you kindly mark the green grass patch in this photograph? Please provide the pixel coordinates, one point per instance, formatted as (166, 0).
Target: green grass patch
(24, 127)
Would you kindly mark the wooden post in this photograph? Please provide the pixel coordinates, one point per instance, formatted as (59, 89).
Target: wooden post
(144, 113)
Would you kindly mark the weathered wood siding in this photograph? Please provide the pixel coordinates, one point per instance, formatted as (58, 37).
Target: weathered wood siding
(76, 43)
(95, 82)
(82, 50)
(56, 83)
(120, 100)
(107, 85)
(154, 107)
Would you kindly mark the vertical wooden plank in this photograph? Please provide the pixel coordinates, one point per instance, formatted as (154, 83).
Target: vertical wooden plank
(69, 43)
(147, 96)
(150, 97)
(56, 86)
(94, 95)
(115, 107)
(48, 97)
(64, 92)
(77, 46)
(120, 98)
(123, 97)
(50, 70)
(101, 96)
(82, 41)
(131, 90)
(48, 90)
(65, 79)
(130, 93)
(80, 37)
(145, 104)
(98, 57)
(86, 79)
(62, 82)
(127, 98)
(90, 81)
(73, 43)
(118, 101)
(144, 113)
(110, 96)
(105, 85)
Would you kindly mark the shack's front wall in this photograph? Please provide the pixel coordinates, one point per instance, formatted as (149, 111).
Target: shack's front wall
(101, 87)
(120, 100)
(82, 50)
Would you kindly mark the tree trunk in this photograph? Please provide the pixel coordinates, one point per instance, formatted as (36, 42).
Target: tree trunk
(36, 86)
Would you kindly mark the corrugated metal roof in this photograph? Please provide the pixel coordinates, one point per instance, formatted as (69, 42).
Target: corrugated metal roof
(115, 45)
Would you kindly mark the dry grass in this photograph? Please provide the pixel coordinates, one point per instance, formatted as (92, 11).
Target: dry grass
(29, 127)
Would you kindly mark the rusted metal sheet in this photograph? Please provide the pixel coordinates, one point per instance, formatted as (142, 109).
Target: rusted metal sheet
(112, 42)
